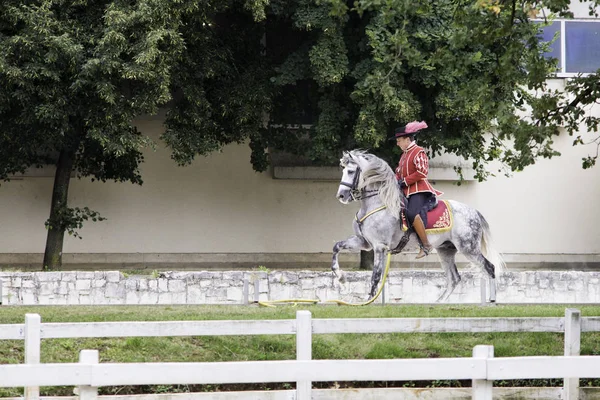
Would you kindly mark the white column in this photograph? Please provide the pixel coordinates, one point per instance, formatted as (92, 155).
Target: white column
(87, 392)
(492, 290)
(483, 284)
(482, 388)
(303, 350)
(33, 326)
(245, 292)
(572, 348)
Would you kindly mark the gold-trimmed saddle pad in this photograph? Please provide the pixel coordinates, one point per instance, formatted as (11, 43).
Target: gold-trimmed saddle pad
(438, 220)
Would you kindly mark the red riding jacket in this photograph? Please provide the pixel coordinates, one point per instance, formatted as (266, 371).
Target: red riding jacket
(413, 169)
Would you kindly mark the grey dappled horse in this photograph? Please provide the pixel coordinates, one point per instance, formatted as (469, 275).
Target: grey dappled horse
(370, 180)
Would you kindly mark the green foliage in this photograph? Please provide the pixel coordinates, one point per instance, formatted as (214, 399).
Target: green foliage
(70, 219)
(468, 69)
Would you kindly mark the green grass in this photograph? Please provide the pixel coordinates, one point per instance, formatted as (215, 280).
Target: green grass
(282, 347)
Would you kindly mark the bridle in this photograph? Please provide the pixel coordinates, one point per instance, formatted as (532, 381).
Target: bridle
(361, 194)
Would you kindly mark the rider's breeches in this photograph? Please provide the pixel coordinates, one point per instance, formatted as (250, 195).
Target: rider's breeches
(416, 205)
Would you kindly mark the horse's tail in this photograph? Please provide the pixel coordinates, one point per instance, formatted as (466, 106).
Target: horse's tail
(487, 247)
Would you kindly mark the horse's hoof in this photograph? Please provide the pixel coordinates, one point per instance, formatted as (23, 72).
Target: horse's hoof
(342, 278)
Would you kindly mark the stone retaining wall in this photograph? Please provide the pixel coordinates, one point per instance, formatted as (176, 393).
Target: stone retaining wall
(112, 287)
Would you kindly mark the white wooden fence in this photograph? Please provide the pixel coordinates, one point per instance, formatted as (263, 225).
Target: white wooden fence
(482, 368)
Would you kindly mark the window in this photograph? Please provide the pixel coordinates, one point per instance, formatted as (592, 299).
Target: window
(583, 46)
(577, 46)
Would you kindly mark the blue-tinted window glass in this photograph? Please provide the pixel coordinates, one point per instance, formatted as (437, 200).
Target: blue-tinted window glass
(547, 35)
(582, 46)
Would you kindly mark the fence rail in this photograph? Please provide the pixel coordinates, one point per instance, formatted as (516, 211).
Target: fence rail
(288, 327)
(482, 368)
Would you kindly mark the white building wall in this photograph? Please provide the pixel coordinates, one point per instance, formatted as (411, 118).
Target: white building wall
(220, 205)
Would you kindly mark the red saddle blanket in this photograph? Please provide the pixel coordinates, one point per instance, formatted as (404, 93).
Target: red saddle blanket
(438, 220)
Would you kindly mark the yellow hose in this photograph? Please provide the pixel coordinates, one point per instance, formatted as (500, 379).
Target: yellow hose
(338, 302)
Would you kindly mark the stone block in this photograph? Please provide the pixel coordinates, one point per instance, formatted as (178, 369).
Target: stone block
(234, 277)
(115, 291)
(131, 284)
(83, 284)
(28, 298)
(195, 295)
(98, 297)
(199, 275)
(153, 284)
(178, 298)
(115, 300)
(220, 283)
(99, 283)
(132, 297)
(148, 298)
(163, 285)
(59, 299)
(44, 299)
(165, 298)
(216, 293)
(205, 283)
(143, 284)
(85, 275)
(307, 283)
(235, 294)
(113, 276)
(48, 276)
(176, 286)
(63, 288)
(84, 299)
(26, 283)
(47, 288)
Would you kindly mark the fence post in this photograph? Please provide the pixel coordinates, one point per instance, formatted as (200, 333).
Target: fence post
(303, 350)
(482, 388)
(572, 348)
(492, 290)
(245, 292)
(483, 284)
(256, 290)
(88, 392)
(32, 333)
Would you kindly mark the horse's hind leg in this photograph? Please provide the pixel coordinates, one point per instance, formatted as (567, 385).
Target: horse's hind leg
(477, 258)
(447, 254)
(352, 244)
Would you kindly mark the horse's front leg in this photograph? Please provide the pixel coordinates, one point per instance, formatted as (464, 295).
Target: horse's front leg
(378, 261)
(352, 244)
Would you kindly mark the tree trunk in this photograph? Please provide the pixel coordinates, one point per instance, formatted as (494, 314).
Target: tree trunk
(367, 259)
(60, 193)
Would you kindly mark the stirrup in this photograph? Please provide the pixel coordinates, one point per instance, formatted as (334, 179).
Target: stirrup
(423, 252)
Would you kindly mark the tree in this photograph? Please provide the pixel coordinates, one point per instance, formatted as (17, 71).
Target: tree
(75, 73)
(467, 68)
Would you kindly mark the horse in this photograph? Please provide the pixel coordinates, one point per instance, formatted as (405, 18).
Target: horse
(377, 225)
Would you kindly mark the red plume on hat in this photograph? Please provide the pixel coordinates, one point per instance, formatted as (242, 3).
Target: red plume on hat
(415, 126)
(410, 129)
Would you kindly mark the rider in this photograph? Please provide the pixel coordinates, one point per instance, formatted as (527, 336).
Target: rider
(412, 171)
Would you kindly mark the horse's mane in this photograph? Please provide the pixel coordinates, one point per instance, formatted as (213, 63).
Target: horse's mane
(377, 172)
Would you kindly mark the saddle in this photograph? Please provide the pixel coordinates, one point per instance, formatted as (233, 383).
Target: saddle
(439, 218)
